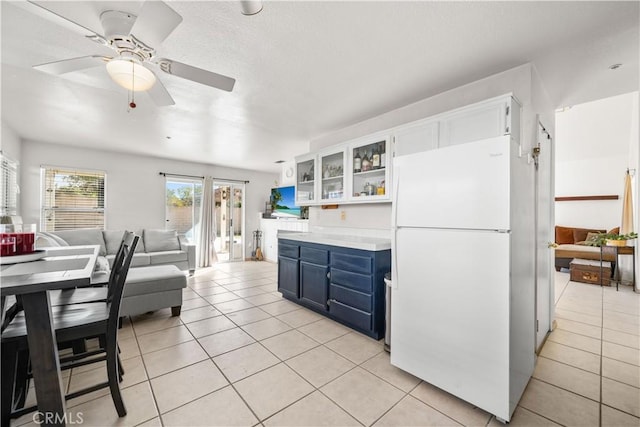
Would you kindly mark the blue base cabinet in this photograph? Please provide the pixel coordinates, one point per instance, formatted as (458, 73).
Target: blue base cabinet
(344, 284)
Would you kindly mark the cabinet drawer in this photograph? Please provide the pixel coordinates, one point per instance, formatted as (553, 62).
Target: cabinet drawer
(350, 297)
(355, 263)
(356, 281)
(350, 315)
(290, 251)
(316, 256)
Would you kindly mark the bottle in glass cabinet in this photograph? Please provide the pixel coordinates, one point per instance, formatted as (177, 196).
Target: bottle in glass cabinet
(357, 162)
(366, 163)
(375, 158)
(382, 156)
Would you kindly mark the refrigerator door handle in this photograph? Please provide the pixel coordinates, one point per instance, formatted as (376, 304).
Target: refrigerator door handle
(394, 203)
(394, 259)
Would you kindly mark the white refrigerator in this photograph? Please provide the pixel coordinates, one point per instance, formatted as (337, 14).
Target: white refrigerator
(462, 305)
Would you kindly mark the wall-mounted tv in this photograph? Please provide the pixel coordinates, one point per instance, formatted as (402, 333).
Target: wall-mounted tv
(283, 202)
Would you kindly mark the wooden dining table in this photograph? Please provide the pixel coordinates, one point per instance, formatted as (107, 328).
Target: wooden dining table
(62, 268)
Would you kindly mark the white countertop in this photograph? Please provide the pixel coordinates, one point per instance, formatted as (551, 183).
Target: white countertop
(345, 241)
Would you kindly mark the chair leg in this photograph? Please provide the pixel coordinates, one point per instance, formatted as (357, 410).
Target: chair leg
(8, 369)
(175, 311)
(22, 380)
(112, 374)
(120, 369)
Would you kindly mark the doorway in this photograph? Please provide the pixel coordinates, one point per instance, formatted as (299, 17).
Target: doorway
(229, 213)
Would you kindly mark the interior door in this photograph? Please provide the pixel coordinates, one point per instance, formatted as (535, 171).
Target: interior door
(229, 205)
(545, 227)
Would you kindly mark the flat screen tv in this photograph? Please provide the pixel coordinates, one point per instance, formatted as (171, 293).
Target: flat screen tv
(283, 202)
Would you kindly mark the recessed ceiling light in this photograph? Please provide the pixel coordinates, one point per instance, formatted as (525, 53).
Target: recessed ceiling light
(279, 161)
(615, 66)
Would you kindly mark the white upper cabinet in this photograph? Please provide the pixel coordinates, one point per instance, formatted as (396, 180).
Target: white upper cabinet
(306, 192)
(333, 165)
(417, 137)
(359, 171)
(370, 162)
(488, 119)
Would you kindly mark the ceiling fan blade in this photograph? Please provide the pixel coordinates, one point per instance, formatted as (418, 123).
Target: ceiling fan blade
(74, 64)
(160, 95)
(50, 15)
(196, 74)
(155, 22)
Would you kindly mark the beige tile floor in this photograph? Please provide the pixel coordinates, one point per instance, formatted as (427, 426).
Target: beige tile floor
(240, 355)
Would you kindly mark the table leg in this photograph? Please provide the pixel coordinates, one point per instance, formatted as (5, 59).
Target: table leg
(45, 364)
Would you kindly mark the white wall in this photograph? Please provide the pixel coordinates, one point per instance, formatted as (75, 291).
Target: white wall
(594, 146)
(135, 193)
(520, 81)
(10, 142)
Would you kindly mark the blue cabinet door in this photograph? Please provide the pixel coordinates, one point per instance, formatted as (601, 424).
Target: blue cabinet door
(288, 279)
(314, 284)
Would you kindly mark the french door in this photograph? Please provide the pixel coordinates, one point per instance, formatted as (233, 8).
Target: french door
(229, 212)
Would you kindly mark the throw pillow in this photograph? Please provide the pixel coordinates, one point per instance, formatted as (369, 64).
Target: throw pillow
(564, 235)
(592, 239)
(51, 239)
(614, 231)
(161, 240)
(580, 234)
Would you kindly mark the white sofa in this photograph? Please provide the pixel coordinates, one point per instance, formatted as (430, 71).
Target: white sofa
(156, 247)
(154, 280)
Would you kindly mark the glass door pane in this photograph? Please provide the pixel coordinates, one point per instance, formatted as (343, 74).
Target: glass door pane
(369, 170)
(305, 181)
(332, 166)
(229, 213)
(183, 199)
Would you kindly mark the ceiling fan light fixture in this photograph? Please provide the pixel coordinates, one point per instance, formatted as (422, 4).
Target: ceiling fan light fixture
(251, 7)
(130, 74)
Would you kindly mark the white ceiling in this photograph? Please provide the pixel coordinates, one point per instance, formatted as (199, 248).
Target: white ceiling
(303, 69)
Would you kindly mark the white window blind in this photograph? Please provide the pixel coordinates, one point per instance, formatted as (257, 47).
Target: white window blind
(8, 186)
(72, 199)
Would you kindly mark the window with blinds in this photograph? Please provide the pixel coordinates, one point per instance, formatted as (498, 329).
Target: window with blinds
(8, 186)
(72, 199)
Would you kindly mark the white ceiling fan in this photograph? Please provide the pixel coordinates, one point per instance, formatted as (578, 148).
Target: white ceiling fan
(133, 39)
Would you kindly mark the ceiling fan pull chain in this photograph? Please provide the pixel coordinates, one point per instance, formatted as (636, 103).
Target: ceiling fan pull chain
(132, 103)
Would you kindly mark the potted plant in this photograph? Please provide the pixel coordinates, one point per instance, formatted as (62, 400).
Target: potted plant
(615, 239)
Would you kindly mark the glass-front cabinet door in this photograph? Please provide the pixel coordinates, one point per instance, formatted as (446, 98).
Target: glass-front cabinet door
(332, 167)
(306, 180)
(370, 161)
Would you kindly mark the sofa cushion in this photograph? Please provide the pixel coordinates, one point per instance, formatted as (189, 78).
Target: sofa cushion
(138, 260)
(83, 236)
(161, 240)
(149, 280)
(580, 234)
(166, 257)
(564, 235)
(113, 238)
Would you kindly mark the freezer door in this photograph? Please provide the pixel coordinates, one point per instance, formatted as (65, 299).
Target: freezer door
(462, 186)
(450, 313)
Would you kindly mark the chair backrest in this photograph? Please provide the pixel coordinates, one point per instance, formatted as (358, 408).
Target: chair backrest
(117, 260)
(119, 276)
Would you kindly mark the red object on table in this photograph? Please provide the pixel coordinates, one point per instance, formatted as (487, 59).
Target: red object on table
(7, 244)
(25, 243)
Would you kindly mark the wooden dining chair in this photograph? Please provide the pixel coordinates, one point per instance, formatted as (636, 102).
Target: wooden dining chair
(72, 322)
